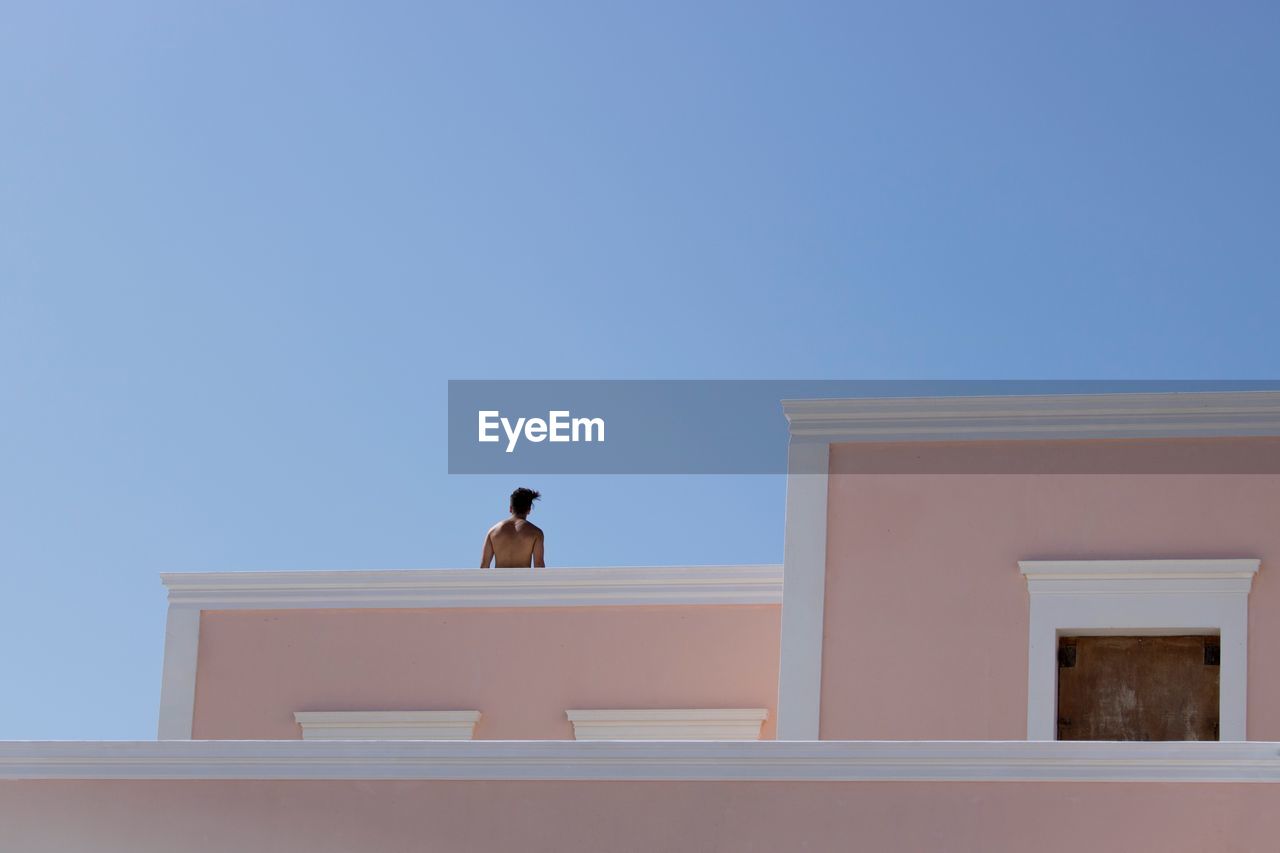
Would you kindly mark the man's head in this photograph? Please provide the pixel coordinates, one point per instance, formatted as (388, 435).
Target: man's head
(522, 501)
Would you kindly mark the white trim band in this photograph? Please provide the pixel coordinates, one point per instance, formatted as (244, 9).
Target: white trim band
(761, 584)
(387, 725)
(668, 724)
(804, 553)
(178, 678)
(1056, 416)
(971, 761)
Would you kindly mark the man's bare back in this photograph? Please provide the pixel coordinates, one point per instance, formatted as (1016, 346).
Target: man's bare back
(513, 543)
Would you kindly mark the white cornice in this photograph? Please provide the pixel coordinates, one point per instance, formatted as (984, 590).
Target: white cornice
(477, 587)
(1059, 416)
(1074, 569)
(1139, 577)
(972, 761)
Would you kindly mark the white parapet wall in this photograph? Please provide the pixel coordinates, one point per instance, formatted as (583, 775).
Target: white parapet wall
(192, 594)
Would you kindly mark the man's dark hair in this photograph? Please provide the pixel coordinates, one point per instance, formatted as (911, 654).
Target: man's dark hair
(522, 500)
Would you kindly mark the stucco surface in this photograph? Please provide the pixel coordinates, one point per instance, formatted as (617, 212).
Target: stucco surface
(522, 668)
(926, 614)
(564, 817)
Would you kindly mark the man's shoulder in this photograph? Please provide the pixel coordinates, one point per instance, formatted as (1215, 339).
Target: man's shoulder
(533, 528)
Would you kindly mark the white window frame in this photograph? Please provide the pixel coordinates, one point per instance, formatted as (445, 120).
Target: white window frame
(1134, 598)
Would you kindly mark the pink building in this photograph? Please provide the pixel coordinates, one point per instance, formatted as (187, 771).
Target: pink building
(1002, 623)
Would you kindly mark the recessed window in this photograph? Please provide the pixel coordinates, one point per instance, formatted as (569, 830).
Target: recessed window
(1138, 688)
(1127, 601)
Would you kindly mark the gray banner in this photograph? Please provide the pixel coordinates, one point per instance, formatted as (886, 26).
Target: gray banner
(727, 426)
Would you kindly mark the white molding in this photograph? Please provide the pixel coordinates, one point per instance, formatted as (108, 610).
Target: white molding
(1068, 575)
(574, 587)
(178, 678)
(1137, 597)
(191, 593)
(668, 723)
(1057, 416)
(387, 725)
(805, 577)
(878, 761)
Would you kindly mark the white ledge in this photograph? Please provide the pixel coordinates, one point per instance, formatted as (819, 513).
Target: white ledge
(668, 723)
(1139, 577)
(387, 725)
(961, 761)
(1075, 569)
(1057, 416)
(761, 584)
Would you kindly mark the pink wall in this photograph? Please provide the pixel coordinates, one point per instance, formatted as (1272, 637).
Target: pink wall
(567, 817)
(926, 613)
(521, 667)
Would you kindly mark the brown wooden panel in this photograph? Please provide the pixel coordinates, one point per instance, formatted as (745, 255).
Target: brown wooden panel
(1138, 688)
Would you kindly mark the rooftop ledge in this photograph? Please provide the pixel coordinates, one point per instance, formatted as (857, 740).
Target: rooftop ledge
(559, 587)
(1179, 414)
(971, 761)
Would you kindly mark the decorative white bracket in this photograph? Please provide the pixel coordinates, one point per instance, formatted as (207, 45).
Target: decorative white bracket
(387, 725)
(669, 724)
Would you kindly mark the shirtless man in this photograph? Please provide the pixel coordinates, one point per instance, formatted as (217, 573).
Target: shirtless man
(515, 542)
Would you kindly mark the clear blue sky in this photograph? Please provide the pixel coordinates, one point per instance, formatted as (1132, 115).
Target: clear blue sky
(244, 245)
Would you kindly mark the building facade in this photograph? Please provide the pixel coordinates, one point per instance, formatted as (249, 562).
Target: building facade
(1001, 623)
